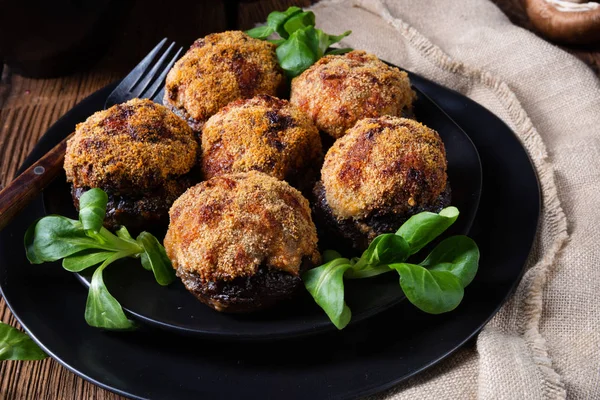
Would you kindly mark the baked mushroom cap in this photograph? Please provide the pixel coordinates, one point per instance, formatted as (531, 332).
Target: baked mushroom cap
(233, 234)
(218, 69)
(133, 146)
(265, 134)
(380, 173)
(339, 90)
(139, 152)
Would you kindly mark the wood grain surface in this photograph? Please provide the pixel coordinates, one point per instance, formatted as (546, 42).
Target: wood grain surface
(29, 106)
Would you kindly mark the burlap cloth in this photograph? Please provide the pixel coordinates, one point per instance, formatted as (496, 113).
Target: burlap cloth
(545, 342)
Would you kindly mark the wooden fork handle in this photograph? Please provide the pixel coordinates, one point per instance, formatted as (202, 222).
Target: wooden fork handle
(18, 193)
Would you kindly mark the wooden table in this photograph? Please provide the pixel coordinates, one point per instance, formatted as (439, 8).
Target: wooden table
(29, 106)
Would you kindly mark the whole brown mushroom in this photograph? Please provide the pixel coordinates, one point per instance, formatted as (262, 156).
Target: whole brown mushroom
(566, 21)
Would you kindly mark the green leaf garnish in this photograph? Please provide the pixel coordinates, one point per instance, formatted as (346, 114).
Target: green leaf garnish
(435, 286)
(55, 237)
(16, 345)
(295, 55)
(318, 41)
(92, 209)
(277, 19)
(85, 259)
(434, 292)
(338, 51)
(102, 310)
(383, 250)
(422, 228)
(330, 255)
(335, 39)
(326, 285)
(300, 44)
(277, 42)
(123, 233)
(299, 21)
(86, 243)
(154, 258)
(456, 254)
(260, 32)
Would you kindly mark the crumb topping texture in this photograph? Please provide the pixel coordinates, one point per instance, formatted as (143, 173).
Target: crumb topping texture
(339, 90)
(386, 163)
(131, 147)
(228, 226)
(218, 69)
(265, 134)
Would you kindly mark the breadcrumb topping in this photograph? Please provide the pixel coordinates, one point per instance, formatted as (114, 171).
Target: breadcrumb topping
(218, 69)
(134, 146)
(228, 226)
(339, 90)
(386, 163)
(265, 134)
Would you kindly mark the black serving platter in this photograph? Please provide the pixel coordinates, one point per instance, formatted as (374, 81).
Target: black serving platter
(174, 308)
(364, 358)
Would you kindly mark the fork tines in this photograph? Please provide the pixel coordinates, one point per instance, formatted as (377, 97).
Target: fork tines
(146, 80)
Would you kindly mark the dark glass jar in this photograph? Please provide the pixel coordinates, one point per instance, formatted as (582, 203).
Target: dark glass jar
(50, 38)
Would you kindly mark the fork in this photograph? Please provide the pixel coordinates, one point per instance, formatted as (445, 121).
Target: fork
(146, 80)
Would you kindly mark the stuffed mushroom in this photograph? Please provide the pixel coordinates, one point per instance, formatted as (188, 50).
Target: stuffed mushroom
(265, 134)
(240, 242)
(218, 69)
(383, 171)
(140, 154)
(339, 90)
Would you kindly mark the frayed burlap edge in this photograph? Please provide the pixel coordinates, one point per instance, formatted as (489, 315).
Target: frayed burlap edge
(534, 280)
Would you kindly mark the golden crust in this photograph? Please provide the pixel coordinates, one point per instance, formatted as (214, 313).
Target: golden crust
(386, 163)
(218, 69)
(228, 226)
(339, 90)
(137, 145)
(265, 134)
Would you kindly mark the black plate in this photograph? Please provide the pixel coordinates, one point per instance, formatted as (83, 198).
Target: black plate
(363, 359)
(174, 308)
